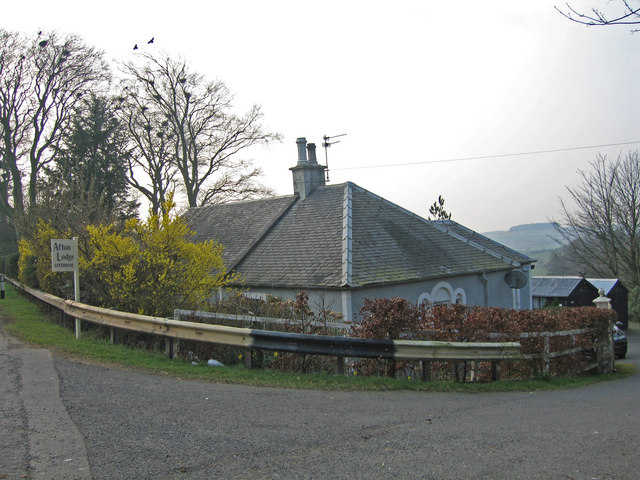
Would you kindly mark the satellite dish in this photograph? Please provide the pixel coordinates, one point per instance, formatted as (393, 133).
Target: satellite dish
(516, 279)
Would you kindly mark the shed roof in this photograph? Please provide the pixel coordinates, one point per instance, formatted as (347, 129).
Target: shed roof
(606, 284)
(553, 287)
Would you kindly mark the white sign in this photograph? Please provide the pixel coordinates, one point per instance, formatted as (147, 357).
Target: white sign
(64, 255)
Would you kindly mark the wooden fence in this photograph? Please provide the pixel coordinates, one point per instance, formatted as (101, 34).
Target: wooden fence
(603, 357)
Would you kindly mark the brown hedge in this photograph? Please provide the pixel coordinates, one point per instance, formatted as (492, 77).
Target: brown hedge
(396, 318)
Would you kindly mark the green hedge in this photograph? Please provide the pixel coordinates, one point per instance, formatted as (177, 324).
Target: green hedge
(9, 265)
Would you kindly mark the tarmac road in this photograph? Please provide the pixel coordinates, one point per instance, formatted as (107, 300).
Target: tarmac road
(66, 419)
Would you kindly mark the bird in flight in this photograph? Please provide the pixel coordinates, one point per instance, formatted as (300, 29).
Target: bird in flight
(135, 47)
(151, 41)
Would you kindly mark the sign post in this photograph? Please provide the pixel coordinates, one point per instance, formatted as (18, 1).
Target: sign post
(64, 258)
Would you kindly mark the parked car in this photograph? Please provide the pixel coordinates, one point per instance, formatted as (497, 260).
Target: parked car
(619, 341)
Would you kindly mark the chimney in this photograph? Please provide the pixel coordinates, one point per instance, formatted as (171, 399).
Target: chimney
(302, 152)
(311, 152)
(307, 174)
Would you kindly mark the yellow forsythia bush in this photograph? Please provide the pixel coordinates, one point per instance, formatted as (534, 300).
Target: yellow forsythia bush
(34, 263)
(147, 267)
(151, 267)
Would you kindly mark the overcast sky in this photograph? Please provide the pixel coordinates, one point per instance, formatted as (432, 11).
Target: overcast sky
(412, 84)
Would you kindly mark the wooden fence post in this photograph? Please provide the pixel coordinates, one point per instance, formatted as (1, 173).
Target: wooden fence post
(496, 370)
(340, 364)
(546, 368)
(169, 347)
(426, 370)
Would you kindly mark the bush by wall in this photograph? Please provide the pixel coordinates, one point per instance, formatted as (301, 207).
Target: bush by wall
(299, 318)
(480, 324)
(9, 265)
(395, 318)
(148, 267)
(388, 319)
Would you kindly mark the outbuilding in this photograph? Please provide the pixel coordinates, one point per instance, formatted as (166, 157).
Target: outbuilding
(566, 291)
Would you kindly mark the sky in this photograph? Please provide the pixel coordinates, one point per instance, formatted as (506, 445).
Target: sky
(433, 98)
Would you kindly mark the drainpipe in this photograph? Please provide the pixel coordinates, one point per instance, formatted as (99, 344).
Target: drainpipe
(485, 283)
(516, 299)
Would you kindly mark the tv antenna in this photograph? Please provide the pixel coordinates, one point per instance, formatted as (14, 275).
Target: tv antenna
(326, 144)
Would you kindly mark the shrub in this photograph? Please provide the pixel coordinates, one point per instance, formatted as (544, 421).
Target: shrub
(151, 267)
(9, 264)
(395, 318)
(388, 319)
(634, 304)
(148, 267)
(481, 324)
(298, 318)
(34, 263)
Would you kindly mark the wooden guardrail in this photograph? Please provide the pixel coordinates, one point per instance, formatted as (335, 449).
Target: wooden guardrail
(256, 320)
(250, 339)
(603, 353)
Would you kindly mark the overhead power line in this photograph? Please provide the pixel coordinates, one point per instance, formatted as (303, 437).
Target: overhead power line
(484, 157)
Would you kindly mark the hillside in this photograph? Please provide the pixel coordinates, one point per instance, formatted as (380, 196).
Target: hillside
(532, 237)
(536, 240)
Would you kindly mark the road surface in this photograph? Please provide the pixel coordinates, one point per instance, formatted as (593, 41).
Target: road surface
(61, 418)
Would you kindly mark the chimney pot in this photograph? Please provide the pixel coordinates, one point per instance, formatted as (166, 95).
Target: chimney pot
(307, 174)
(311, 151)
(302, 151)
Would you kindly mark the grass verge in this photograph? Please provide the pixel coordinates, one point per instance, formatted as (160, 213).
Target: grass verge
(25, 320)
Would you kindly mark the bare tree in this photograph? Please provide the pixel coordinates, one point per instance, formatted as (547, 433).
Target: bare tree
(626, 15)
(602, 232)
(41, 81)
(189, 121)
(13, 119)
(151, 148)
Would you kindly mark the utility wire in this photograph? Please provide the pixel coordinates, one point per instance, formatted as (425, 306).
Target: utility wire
(502, 155)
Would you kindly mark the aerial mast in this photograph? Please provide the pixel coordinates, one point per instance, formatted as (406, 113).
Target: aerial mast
(326, 144)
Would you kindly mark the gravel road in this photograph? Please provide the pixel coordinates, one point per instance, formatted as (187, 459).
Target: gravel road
(97, 422)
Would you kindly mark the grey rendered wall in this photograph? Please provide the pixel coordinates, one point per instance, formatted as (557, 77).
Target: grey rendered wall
(477, 290)
(318, 299)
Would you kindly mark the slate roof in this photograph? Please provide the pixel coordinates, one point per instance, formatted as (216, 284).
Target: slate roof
(392, 244)
(304, 248)
(552, 287)
(238, 226)
(470, 236)
(343, 236)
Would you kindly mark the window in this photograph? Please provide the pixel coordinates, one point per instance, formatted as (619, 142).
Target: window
(444, 294)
